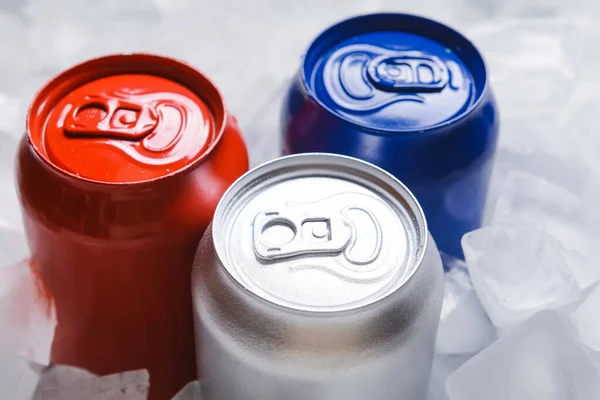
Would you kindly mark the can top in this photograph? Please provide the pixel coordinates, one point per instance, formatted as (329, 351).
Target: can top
(319, 233)
(394, 72)
(125, 119)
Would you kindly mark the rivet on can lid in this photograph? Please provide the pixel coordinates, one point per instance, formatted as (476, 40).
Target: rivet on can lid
(126, 123)
(319, 233)
(394, 72)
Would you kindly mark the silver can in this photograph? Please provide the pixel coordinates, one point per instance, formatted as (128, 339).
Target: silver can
(318, 280)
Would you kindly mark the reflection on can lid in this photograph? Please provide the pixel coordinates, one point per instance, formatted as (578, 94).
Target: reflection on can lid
(319, 232)
(394, 72)
(123, 121)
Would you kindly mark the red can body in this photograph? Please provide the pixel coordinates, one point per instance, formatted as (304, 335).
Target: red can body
(123, 164)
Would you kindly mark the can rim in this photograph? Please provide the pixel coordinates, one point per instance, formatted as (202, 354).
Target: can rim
(400, 16)
(233, 191)
(121, 63)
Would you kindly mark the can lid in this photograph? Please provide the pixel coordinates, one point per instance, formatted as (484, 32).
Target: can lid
(319, 232)
(125, 119)
(394, 72)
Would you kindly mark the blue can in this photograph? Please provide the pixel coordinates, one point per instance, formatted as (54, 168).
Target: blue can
(407, 94)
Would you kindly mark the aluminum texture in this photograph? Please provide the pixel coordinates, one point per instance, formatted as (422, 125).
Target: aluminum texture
(323, 323)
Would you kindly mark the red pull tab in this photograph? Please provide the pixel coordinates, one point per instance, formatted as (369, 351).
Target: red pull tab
(102, 115)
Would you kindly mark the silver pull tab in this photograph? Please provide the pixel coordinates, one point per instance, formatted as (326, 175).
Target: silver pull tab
(308, 233)
(378, 238)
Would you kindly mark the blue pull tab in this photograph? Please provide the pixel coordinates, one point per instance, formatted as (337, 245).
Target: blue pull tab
(408, 73)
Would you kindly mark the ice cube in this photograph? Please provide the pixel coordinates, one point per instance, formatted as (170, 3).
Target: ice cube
(131, 9)
(16, 57)
(558, 208)
(172, 6)
(191, 391)
(131, 385)
(533, 198)
(12, 116)
(457, 13)
(56, 375)
(517, 271)
(10, 211)
(263, 131)
(532, 62)
(584, 134)
(526, 9)
(443, 366)
(61, 40)
(27, 313)
(62, 36)
(569, 173)
(451, 263)
(586, 319)
(55, 36)
(541, 202)
(457, 283)
(588, 84)
(536, 360)
(464, 326)
(595, 357)
(13, 247)
(18, 377)
(591, 199)
(586, 270)
(537, 130)
(554, 172)
(546, 201)
(12, 6)
(95, 11)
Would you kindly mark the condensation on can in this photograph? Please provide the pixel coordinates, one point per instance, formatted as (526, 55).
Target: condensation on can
(124, 161)
(319, 280)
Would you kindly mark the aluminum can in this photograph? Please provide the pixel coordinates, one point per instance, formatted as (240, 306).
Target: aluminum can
(409, 95)
(317, 280)
(124, 161)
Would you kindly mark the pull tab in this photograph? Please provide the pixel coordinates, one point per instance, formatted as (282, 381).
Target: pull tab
(307, 233)
(408, 73)
(377, 234)
(102, 115)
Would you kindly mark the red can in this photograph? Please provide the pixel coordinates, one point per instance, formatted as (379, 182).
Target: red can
(123, 164)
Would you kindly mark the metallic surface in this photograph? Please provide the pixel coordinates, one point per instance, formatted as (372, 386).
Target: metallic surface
(121, 127)
(116, 254)
(346, 307)
(409, 95)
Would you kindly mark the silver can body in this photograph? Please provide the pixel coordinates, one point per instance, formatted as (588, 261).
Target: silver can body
(317, 280)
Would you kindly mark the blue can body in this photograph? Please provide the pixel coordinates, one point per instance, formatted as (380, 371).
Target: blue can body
(407, 94)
